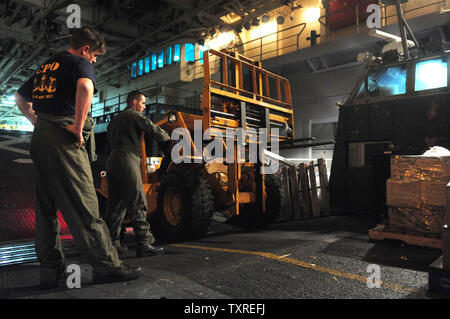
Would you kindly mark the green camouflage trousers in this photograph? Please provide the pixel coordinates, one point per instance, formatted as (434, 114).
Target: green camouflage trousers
(64, 182)
(126, 195)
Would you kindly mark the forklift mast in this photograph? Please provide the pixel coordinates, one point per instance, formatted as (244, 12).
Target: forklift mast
(238, 93)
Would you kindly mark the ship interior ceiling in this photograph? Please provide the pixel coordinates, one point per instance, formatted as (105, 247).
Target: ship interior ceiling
(345, 156)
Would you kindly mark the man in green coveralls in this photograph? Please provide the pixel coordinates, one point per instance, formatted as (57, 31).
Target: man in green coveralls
(125, 189)
(56, 100)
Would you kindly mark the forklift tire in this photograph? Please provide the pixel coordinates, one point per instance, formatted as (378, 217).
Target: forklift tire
(185, 207)
(251, 217)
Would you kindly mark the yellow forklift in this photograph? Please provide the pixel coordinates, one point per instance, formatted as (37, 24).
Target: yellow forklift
(182, 197)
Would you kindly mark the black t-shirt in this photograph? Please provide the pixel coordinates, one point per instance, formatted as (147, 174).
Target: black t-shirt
(53, 86)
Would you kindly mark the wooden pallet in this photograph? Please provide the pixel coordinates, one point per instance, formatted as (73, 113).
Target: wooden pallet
(381, 232)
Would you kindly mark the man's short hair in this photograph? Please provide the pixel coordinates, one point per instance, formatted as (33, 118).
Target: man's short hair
(90, 37)
(133, 95)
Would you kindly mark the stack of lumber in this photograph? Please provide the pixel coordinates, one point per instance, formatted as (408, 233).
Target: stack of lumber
(416, 194)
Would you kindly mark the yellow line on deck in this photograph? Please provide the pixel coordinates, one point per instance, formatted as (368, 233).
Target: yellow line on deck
(302, 264)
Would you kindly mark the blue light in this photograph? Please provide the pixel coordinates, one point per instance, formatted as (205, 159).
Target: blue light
(147, 65)
(169, 55)
(202, 48)
(133, 70)
(431, 74)
(161, 59)
(176, 53)
(141, 67)
(154, 63)
(189, 52)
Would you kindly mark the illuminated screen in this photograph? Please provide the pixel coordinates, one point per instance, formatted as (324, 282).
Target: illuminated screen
(133, 70)
(147, 65)
(169, 55)
(154, 64)
(161, 59)
(385, 82)
(176, 53)
(189, 52)
(431, 74)
(141, 67)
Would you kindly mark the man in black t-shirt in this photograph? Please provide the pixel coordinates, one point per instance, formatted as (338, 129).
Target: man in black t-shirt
(56, 100)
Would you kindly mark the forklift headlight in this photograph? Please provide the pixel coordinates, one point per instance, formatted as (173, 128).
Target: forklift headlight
(172, 118)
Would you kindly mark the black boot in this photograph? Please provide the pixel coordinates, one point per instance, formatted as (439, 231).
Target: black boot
(122, 250)
(148, 250)
(122, 273)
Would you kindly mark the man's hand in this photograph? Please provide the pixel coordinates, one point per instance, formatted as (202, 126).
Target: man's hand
(85, 90)
(77, 132)
(26, 107)
(167, 147)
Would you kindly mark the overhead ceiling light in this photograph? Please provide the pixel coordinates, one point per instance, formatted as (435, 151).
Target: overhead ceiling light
(247, 26)
(312, 15)
(255, 22)
(265, 18)
(221, 40)
(280, 19)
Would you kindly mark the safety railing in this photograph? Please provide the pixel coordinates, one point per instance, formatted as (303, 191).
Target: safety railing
(289, 40)
(269, 46)
(283, 42)
(155, 95)
(388, 16)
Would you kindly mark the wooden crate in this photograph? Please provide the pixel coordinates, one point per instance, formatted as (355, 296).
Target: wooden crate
(421, 168)
(416, 194)
(421, 221)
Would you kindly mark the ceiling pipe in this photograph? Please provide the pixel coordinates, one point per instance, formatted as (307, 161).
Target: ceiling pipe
(11, 53)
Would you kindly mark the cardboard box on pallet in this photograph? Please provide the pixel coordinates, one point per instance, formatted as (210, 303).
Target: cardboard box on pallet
(421, 168)
(417, 221)
(416, 194)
